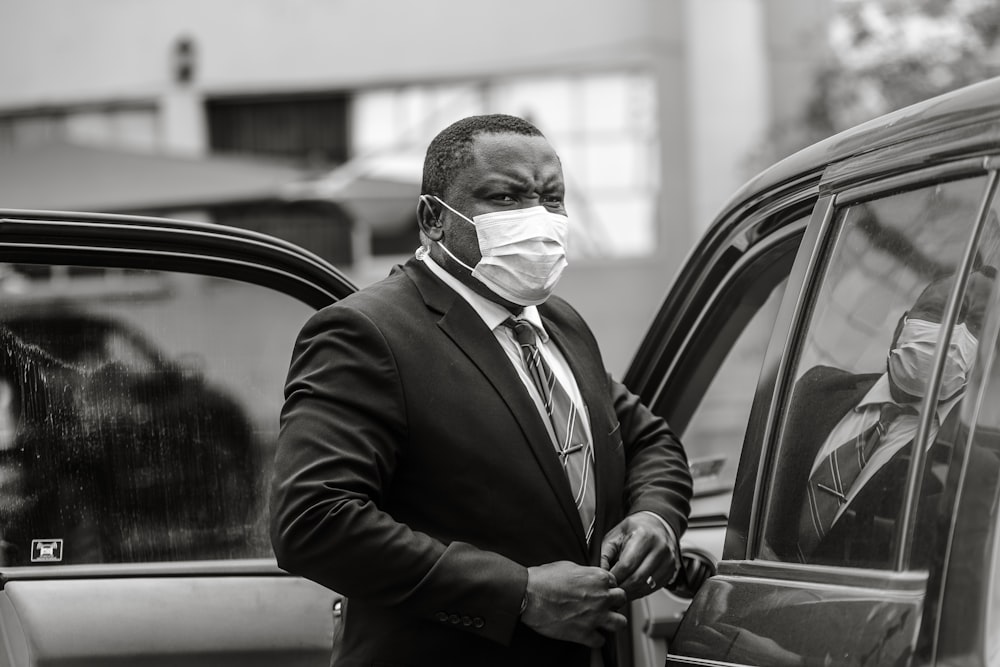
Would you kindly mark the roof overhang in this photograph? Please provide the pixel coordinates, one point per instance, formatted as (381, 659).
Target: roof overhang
(73, 177)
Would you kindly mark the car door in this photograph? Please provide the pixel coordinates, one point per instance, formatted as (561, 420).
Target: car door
(141, 371)
(698, 367)
(882, 228)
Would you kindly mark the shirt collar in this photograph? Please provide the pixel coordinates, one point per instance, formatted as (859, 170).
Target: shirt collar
(880, 393)
(492, 314)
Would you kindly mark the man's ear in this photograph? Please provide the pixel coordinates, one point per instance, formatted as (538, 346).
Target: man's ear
(899, 329)
(429, 217)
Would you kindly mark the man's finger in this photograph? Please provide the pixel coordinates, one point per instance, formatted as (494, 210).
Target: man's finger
(614, 622)
(617, 597)
(649, 574)
(610, 550)
(630, 555)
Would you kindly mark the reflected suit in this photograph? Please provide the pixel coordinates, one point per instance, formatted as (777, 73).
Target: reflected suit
(864, 533)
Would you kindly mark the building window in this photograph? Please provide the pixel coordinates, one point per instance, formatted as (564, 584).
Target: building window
(603, 124)
(310, 129)
(123, 125)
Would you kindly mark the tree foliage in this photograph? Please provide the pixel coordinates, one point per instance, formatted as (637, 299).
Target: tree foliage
(888, 54)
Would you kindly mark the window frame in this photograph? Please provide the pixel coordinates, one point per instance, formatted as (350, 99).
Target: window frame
(124, 241)
(137, 242)
(838, 194)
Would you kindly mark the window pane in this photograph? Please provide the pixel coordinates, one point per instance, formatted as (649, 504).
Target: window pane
(718, 426)
(138, 419)
(863, 365)
(966, 473)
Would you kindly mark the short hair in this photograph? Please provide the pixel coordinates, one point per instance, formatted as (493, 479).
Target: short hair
(451, 149)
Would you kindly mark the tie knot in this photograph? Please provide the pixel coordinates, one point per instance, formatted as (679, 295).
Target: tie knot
(523, 331)
(890, 411)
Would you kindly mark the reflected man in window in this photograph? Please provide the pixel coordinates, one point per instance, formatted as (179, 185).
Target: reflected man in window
(848, 436)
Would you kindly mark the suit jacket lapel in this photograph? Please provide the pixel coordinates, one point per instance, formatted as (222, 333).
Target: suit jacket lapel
(464, 326)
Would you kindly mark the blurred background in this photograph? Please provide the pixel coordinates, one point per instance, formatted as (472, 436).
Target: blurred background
(307, 119)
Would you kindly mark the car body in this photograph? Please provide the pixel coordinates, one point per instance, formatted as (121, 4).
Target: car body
(810, 269)
(811, 266)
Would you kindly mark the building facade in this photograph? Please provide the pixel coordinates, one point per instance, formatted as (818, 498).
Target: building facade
(653, 105)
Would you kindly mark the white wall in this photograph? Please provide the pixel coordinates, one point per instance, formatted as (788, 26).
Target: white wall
(719, 66)
(55, 50)
(729, 97)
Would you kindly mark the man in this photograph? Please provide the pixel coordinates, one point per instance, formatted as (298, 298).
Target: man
(418, 469)
(862, 426)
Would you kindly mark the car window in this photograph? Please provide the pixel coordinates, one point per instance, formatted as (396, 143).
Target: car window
(138, 416)
(863, 362)
(964, 482)
(719, 373)
(714, 436)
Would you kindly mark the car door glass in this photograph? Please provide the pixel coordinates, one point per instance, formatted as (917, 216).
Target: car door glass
(862, 365)
(138, 416)
(714, 436)
(963, 482)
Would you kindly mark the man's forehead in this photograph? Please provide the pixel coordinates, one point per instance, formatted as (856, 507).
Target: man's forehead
(932, 302)
(506, 149)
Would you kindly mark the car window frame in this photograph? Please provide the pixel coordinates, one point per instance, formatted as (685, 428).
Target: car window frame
(705, 282)
(137, 242)
(140, 242)
(752, 233)
(840, 189)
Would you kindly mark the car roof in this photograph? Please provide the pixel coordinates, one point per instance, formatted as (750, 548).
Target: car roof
(972, 105)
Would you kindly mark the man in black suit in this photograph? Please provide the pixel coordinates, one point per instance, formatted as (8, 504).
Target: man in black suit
(848, 437)
(420, 468)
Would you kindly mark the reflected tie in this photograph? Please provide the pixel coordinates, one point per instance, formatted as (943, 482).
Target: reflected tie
(831, 482)
(576, 452)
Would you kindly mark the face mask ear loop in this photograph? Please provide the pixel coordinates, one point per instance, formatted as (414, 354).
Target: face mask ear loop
(442, 245)
(445, 204)
(460, 262)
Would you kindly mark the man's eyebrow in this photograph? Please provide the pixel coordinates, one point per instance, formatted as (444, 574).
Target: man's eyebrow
(521, 183)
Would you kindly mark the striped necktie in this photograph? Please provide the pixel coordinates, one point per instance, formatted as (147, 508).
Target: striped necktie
(573, 444)
(831, 482)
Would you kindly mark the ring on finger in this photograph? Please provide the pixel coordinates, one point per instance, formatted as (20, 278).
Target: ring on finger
(650, 582)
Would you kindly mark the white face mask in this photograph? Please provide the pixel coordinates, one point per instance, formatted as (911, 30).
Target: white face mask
(911, 361)
(523, 252)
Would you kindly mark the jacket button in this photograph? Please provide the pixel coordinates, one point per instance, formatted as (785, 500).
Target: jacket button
(454, 619)
(466, 621)
(441, 616)
(478, 622)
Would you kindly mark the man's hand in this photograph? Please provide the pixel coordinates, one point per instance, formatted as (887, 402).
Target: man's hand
(573, 603)
(641, 553)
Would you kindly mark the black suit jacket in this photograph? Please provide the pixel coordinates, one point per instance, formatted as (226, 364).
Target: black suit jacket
(865, 533)
(415, 475)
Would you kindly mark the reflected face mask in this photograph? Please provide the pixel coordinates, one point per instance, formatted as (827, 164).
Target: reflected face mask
(911, 361)
(523, 252)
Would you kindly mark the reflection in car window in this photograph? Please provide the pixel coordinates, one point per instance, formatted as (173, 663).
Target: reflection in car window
(137, 421)
(863, 363)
